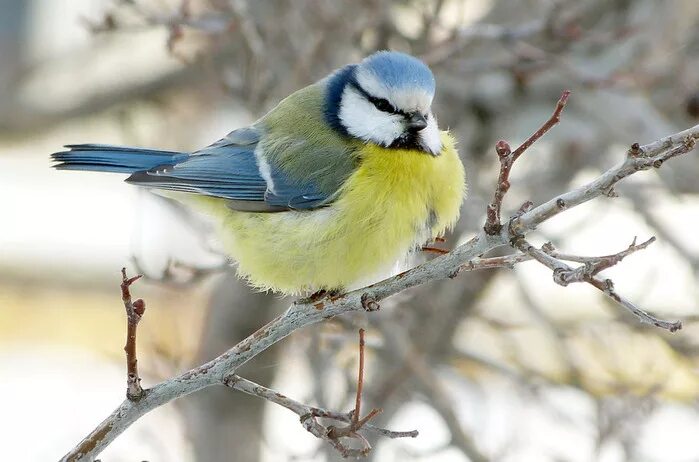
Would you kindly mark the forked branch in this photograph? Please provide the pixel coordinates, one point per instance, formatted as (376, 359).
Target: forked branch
(310, 415)
(588, 272)
(507, 159)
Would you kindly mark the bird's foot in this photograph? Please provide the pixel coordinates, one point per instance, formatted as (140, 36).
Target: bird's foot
(319, 295)
(437, 250)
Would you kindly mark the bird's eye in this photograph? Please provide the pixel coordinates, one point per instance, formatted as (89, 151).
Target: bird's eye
(383, 105)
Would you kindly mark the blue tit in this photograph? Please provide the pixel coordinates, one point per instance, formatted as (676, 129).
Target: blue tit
(328, 190)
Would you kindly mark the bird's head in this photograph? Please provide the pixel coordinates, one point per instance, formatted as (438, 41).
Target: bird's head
(386, 100)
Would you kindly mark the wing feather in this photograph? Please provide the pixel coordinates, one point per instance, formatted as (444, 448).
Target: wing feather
(229, 169)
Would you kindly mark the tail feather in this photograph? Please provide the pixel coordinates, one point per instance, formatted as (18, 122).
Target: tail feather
(106, 158)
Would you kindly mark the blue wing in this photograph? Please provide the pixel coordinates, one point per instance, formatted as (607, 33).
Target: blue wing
(230, 170)
(108, 158)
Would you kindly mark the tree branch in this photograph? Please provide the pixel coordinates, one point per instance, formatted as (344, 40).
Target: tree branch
(309, 416)
(564, 275)
(594, 265)
(300, 315)
(507, 261)
(508, 158)
(357, 422)
(134, 313)
(430, 384)
(638, 158)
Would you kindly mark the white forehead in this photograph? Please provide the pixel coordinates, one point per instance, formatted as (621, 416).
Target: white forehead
(406, 98)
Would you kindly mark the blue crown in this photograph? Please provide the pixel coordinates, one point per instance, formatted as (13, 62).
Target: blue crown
(399, 70)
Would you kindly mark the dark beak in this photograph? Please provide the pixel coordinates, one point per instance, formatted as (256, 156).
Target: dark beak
(416, 121)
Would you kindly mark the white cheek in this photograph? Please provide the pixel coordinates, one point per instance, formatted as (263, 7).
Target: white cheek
(430, 136)
(363, 120)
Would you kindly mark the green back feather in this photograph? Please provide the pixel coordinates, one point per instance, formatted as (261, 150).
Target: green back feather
(299, 141)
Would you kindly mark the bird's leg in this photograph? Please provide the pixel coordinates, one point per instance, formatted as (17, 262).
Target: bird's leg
(314, 297)
(437, 250)
(319, 295)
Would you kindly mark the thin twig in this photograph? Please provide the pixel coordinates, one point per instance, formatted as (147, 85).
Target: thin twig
(134, 312)
(507, 159)
(564, 275)
(594, 265)
(548, 125)
(645, 157)
(357, 422)
(437, 250)
(309, 416)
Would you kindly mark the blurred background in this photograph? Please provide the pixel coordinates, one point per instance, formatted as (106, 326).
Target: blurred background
(496, 365)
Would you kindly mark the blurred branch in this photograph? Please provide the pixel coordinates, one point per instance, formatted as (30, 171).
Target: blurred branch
(22, 116)
(299, 315)
(463, 36)
(213, 23)
(459, 355)
(557, 335)
(640, 205)
(220, 423)
(430, 384)
(180, 274)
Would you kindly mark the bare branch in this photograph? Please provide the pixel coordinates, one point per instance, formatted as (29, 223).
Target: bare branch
(564, 275)
(356, 423)
(645, 157)
(309, 416)
(507, 261)
(548, 125)
(508, 158)
(134, 313)
(595, 265)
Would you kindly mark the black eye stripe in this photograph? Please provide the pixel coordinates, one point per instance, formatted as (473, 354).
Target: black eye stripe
(379, 103)
(383, 105)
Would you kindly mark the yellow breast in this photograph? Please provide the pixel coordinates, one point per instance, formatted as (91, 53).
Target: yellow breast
(395, 200)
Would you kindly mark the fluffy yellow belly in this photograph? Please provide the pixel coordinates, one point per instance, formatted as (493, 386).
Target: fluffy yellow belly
(396, 200)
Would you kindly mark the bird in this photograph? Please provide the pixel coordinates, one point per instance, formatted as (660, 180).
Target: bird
(331, 189)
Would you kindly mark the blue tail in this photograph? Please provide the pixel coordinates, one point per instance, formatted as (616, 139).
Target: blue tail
(106, 158)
